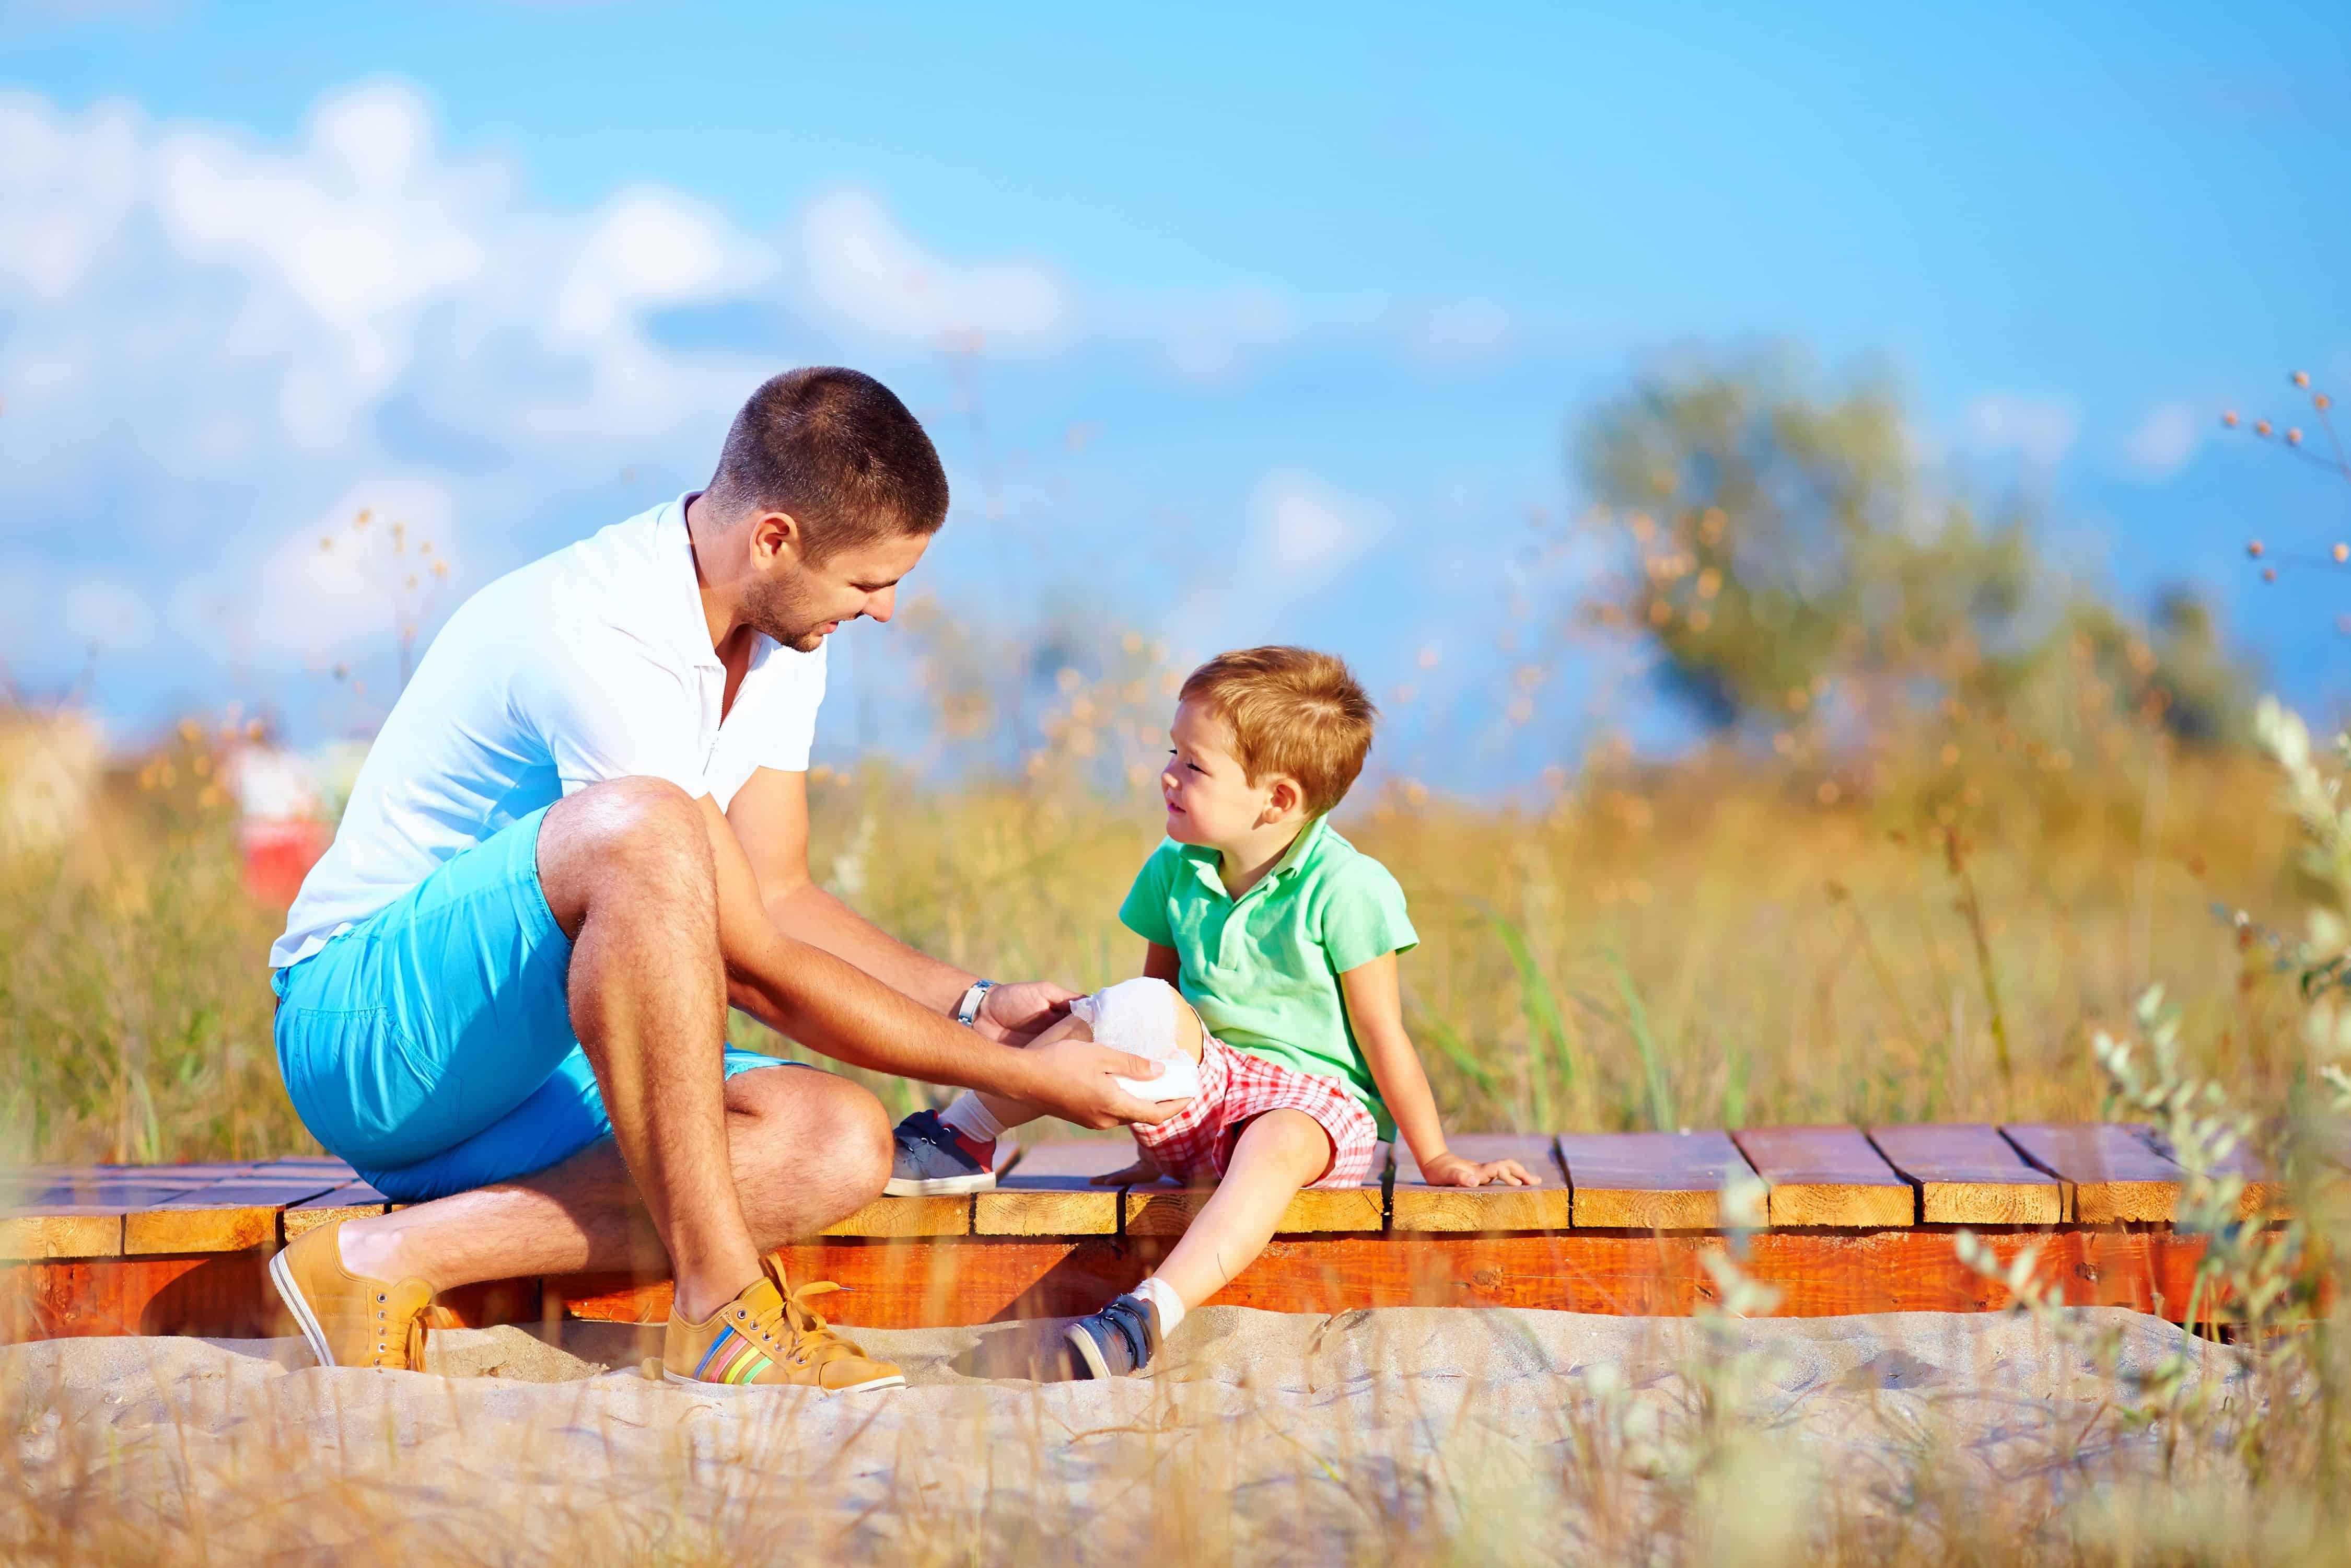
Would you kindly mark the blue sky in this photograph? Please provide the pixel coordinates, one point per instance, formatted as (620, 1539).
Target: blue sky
(1282, 321)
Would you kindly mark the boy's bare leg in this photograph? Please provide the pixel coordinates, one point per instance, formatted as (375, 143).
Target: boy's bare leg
(1279, 1153)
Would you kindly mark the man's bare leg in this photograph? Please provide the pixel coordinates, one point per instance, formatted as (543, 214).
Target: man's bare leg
(628, 871)
(1010, 1113)
(806, 1149)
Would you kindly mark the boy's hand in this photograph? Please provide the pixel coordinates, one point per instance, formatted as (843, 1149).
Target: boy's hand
(1016, 1014)
(1452, 1170)
(1142, 1173)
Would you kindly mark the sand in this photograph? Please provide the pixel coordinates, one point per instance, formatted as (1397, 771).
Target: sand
(1541, 1435)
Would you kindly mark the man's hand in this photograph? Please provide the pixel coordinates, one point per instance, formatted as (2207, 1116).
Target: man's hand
(1072, 1077)
(1016, 1014)
(1452, 1170)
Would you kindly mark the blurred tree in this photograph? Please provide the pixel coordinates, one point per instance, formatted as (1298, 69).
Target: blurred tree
(1772, 542)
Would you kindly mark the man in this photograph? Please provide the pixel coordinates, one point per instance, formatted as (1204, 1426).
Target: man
(583, 834)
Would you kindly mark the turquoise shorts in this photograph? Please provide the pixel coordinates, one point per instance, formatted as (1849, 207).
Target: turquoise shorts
(431, 1044)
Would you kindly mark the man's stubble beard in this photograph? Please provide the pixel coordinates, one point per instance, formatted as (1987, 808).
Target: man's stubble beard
(778, 610)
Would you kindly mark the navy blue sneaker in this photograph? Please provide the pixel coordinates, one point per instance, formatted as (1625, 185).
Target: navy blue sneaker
(928, 1160)
(1117, 1340)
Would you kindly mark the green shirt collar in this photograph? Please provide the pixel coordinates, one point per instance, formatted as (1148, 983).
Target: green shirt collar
(1295, 859)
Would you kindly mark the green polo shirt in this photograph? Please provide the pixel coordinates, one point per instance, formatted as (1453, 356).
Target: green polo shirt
(1263, 969)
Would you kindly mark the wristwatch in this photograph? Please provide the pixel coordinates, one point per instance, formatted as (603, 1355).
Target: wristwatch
(969, 1008)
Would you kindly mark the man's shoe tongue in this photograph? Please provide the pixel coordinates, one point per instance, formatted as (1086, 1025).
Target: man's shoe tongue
(763, 1299)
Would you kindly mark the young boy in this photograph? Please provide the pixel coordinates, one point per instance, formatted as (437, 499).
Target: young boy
(1283, 939)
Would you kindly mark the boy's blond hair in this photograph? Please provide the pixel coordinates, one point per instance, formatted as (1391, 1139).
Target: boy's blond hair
(1291, 711)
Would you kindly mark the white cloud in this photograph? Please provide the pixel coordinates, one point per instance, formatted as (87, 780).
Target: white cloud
(1464, 336)
(2165, 441)
(857, 266)
(203, 338)
(660, 246)
(315, 603)
(210, 341)
(1210, 339)
(1304, 528)
(2040, 431)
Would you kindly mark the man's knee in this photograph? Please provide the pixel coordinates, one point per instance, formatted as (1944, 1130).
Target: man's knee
(834, 1130)
(624, 836)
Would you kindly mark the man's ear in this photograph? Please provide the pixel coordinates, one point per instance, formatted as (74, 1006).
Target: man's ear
(774, 534)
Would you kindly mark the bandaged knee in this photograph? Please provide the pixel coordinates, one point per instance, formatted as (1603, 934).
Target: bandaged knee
(1141, 1018)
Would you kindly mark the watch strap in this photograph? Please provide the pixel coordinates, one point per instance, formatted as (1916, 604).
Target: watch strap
(976, 993)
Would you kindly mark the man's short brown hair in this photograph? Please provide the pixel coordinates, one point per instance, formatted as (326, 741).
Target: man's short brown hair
(840, 453)
(1291, 711)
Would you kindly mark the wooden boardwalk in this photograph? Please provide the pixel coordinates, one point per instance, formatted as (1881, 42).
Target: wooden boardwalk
(1858, 1220)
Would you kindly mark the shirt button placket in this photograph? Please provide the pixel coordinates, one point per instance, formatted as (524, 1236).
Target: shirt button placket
(1235, 920)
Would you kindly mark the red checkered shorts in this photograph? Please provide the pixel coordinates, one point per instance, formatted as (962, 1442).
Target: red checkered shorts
(1235, 1086)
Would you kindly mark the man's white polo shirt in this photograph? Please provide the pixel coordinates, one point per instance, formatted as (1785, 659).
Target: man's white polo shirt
(590, 664)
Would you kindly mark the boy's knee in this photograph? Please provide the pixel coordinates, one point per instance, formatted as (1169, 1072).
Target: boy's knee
(1293, 1137)
(1191, 1034)
(1162, 999)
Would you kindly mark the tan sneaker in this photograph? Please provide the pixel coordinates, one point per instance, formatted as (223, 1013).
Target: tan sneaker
(768, 1337)
(351, 1321)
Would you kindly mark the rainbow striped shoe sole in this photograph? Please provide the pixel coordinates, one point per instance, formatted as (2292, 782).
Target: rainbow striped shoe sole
(768, 1337)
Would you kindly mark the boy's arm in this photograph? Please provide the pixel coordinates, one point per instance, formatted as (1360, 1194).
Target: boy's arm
(1375, 1008)
(1161, 963)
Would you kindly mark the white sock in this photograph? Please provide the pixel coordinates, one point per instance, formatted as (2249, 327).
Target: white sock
(1163, 1298)
(971, 1118)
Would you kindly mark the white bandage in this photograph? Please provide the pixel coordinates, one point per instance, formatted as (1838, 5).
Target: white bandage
(1139, 1017)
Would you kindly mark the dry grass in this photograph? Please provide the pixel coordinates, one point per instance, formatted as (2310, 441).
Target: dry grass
(1705, 944)
(1924, 934)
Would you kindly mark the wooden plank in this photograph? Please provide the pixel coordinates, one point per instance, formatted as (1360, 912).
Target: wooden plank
(195, 1174)
(2264, 1196)
(120, 1190)
(220, 1294)
(1826, 1175)
(337, 1172)
(2110, 1174)
(223, 1295)
(352, 1200)
(1051, 1191)
(887, 1217)
(1819, 1273)
(1165, 1208)
(1647, 1181)
(224, 1216)
(1970, 1175)
(77, 1211)
(61, 1230)
(1413, 1205)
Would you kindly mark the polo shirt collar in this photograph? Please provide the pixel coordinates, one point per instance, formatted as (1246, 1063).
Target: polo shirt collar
(675, 583)
(1294, 859)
